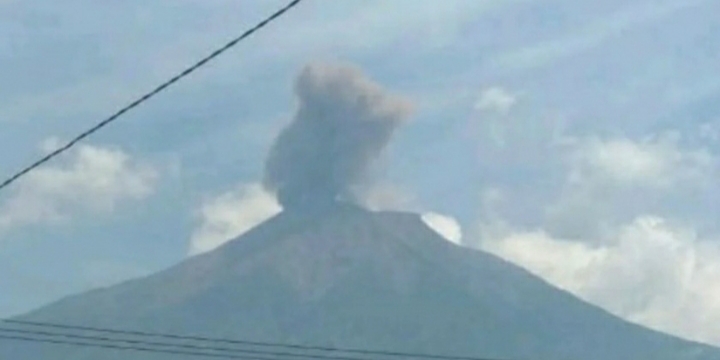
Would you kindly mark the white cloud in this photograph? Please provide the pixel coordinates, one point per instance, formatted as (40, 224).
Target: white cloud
(652, 272)
(610, 182)
(444, 225)
(232, 214)
(658, 162)
(92, 179)
(596, 240)
(496, 99)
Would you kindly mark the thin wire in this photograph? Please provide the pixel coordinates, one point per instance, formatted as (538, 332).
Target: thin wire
(273, 354)
(243, 342)
(120, 347)
(147, 96)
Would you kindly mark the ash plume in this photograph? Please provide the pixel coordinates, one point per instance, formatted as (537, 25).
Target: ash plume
(342, 124)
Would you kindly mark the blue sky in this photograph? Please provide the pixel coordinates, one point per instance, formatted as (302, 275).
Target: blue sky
(576, 138)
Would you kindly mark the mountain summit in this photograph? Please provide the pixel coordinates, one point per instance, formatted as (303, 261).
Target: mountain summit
(348, 277)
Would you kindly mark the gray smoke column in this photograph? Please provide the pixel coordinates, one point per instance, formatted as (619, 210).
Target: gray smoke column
(342, 124)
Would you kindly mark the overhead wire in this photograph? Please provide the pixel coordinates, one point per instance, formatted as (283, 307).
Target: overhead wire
(320, 352)
(252, 354)
(5, 183)
(120, 347)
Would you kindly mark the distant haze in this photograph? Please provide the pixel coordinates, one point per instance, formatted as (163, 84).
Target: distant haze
(342, 124)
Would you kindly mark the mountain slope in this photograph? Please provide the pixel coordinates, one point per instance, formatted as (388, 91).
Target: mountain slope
(351, 278)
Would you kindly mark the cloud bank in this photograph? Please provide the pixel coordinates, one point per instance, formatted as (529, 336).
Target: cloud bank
(622, 230)
(93, 179)
(653, 272)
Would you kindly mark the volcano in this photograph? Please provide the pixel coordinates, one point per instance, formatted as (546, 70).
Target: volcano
(348, 277)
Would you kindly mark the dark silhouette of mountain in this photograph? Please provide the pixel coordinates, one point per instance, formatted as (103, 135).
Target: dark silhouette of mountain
(348, 277)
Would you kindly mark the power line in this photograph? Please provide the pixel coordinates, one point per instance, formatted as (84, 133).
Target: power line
(320, 349)
(147, 96)
(273, 355)
(119, 347)
(130, 347)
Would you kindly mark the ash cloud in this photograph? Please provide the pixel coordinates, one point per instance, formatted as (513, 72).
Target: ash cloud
(342, 124)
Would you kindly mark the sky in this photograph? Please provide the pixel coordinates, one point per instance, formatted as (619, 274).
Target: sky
(575, 138)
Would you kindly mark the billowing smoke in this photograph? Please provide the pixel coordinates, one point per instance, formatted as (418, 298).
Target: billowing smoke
(342, 124)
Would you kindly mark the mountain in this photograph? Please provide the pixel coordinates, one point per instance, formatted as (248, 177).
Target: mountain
(348, 277)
